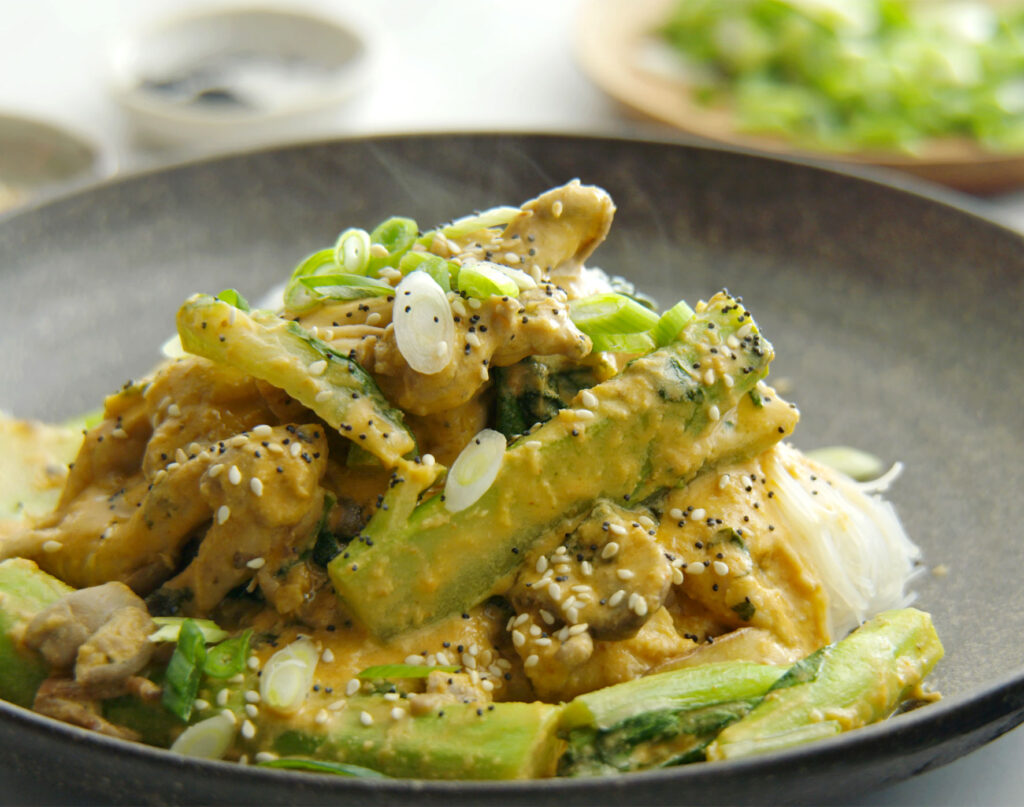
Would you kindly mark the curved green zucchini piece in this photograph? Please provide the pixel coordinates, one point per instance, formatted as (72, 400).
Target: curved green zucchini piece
(655, 425)
(282, 353)
(25, 590)
(856, 681)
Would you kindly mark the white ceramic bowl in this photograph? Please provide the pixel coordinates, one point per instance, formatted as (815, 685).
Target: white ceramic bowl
(236, 76)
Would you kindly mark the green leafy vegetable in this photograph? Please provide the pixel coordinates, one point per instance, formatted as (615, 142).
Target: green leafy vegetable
(403, 671)
(228, 658)
(185, 671)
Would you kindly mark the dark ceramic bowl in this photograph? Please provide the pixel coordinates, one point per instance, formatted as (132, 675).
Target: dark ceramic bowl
(896, 317)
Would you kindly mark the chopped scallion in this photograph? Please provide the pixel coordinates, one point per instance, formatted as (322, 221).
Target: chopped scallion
(474, 470)
(611, 314)
(671, 323)
(352, 251)
(184, 671)
(233, 297)
(438, 268)
(396, 235)
(403, 671)
(288, 675)
(346, 286)
(424, 328)
(482, 279)
(622, 342)
(228, 658)
(322, 766)
(168, 628)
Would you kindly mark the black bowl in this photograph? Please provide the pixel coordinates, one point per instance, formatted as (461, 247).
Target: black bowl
(896, 317)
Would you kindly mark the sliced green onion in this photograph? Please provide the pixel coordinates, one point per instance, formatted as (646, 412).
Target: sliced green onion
(322, 766)
(622, 342)
(424, 329)
(495, 217)
(172, 348)
(437, 267)
(184, 671)
(297, 297)
(611, 313)
(228, 658)
(168, 628)
(403, 671)
(345, 286)
(352, 251)
(474, 470)
(482, 279)
(288, 675)
(396, 235)
(853, 462)
(233, 297)
(519, 277)
(207, 739)
(671, 323)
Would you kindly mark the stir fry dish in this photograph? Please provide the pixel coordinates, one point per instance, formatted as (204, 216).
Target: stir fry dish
(853, 75)
(455, 505)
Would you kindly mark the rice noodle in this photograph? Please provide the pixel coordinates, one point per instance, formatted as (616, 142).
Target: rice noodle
(852, 538)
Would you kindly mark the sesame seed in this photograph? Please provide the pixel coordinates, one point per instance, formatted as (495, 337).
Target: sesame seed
(532, 660)
(572, 615)
(616, 598)
(584, 414)
(728, 381)
(640, 607)
(576, 630)
(588, 399)
(587, 568)
(618, 529)
(555, 592)
(695, 569)
(366, 718)
(535, 630)
(720, 567)
(321, 717)
(223, 513)
(275, 448)
(713, 412)
(373, 318)
(253, 663)
(677, 576)
(378, 251)
(160, 475)
(120, 434)
(563, 634)
(397, 713)
(543, 641)
(632, 600)
(624, 574)
(256, 486)
(252, 710)
(252, 696)
(486, 685)
(234, 475)
(172, 466)
(318, 367)
(180, 456)
(263, 430)
(230, 716)
(52, 546)
(547, 616)
(581, 589)
(675, 514)
(472, 340)
(352, 687)
(266, 756)
(327, 656)
(709, 376)
(295, 449)
(610, 550)
(174, 410)
(519, 620)
(256, 563)
(201, 705)
(556, 209)
(518, 639)
(222, 697)
(414, 659)
(238, 441)
(698, 514)
(337, 706)
(323, 395)
(541, 565)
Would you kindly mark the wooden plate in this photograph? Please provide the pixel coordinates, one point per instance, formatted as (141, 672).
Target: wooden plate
(614, 35)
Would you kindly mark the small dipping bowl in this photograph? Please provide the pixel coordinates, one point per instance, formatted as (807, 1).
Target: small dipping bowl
(236, 76)
(37, 158)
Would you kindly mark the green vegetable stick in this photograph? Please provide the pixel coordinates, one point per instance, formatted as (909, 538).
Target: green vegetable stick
(843, 686)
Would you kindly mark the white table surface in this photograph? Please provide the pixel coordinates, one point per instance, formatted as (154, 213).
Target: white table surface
(491, 66)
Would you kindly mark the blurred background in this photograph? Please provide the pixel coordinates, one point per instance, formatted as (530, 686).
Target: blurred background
(116, 86)
(96, 88)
